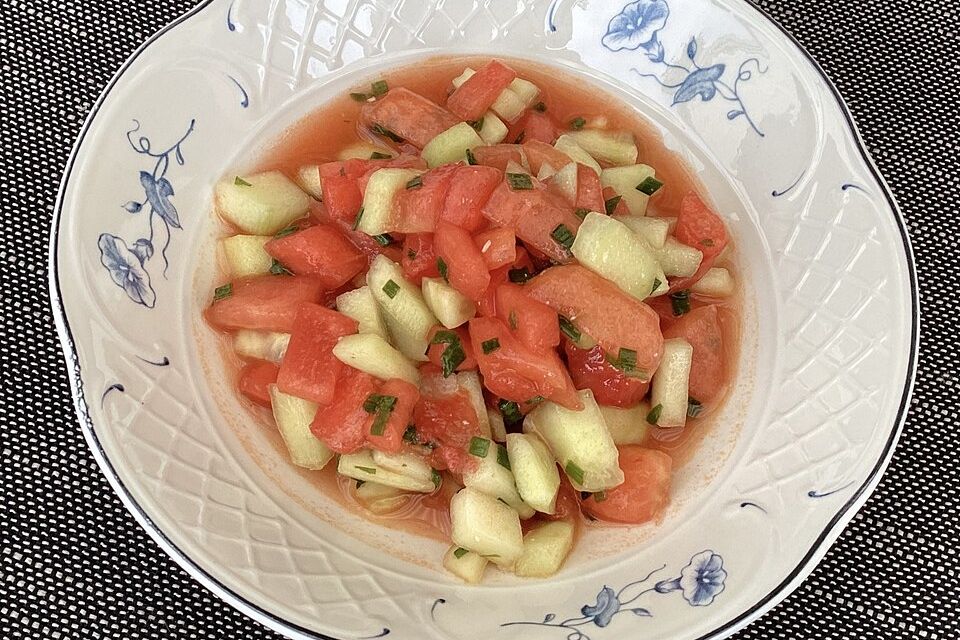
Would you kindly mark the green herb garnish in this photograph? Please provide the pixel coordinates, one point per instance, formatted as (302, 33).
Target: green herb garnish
(471, 159)
(656, 285)
(442, 268)
(380, 130)
(680, 301)
(356, 221)
(370, 470)
(459, 552)
(649, 186)
(277, 268)
(574, 471)
(435, 478)
(563, 236)
(476, 124)
(377, 155)
(382, 406)
(502, 458)
(240, 182)
(511, 412)
(581, 213)
(540, 107)
(491, 345)
(223, 292)
(410, 435)
(519, 275)
(379, 88)
(384, 239)
(654, 414)
(391, 288)
(577, 123)
(519, 181)
(359, 97)
(453, 355)
(569, 329)
(286, 231)
(611, 204)
(600, 496)
(694, 407)
(479, 447)
(415, 183)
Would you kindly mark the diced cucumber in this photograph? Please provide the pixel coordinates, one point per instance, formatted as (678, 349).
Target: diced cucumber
(379, 498)
(670, 388)
(498, 430)
(466, 565)
(491, 477)
(486, 526)
(575, 152)
(382, 188)
(463, 77)
(360, 305)
(261, 204)
(246, 256)
(609, 248)
(371, 354)
(308, 177)
(260, 345)
(293, 416)
(716, 282)
(579, 441)
(678, 259)
(361, 466)
(546, 171)
(627, 426)
(493, 131)
(451, 307)
(469, 381)
(565, 180)
(363, 150)
(525, 90)
(406, 314)
(405, 464)
(653, 230)
(450, 146)
(617, 148)
(509, 105)
(534, 470)
(544, 549)
(624, 181)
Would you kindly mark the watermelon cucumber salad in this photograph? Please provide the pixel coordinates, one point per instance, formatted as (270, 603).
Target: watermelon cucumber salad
(479, 304)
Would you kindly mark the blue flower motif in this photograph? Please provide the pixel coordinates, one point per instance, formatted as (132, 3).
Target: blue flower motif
(606, 607)
(702, 82)
(636, 26)
(125, 266)
(700, 581)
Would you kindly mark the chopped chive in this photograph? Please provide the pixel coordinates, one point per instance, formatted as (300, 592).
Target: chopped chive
(491, 345)
(574, 471)
(654, 414)
(563, 236)
(370, 470)
(540, 107)
(656, 285)
(223, 292)
(240, 182)
(380, 130)
(278, 269)
(520, 137)
(415, 183)
(519, 275)
(628, 359)
(359, 483)
(411, 254)
(600, 496)
(611, 204)
(379, 88)
(382, 406)
(535, 400)
(511, 412)
(384, 239)
(569, 329)
(649, 186)
(286, 231)
(680, 301)
(442, 268)
(502, 458)
(391, 288)
(410, 435)
(581, 212)
(479, 447)
(453, 355)
(359, 97)
(707, 242)
(476, 124)
(459, 552)
(435, 478)
(512, 320)
(694, 407)
(356, 221)
(577, 123)
(519, 181)
(471, 159)
(377, 155)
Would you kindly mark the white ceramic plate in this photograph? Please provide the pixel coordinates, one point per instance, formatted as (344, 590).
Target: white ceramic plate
(826, 369)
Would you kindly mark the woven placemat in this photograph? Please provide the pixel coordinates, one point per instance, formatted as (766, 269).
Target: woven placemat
(76, 565)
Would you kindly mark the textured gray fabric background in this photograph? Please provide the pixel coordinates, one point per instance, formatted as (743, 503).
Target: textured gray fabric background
(74, 564)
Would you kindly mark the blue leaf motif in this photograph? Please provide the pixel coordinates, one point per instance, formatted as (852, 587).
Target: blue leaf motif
(133, 206)
(640, 611)
(158, 194)
(699, 83)
(126, 269)
(735, 113)
(549, 617)
(692, 48)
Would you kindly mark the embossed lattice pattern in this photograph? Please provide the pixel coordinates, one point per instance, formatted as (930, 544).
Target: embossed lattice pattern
(75, 565)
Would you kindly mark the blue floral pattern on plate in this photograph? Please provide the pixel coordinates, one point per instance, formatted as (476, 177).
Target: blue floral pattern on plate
(637, 27)
(126, 263)
(700, 582)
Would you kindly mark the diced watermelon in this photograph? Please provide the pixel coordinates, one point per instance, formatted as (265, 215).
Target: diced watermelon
(340, 183)
(540, 153)
(417, 209)
(419, 259)
(539, 127)
(701, 328)
(498, 246)
(407, 395)
(408, 115)
(699, 227)
(321, 251)
(446, 420)
(475, 96)
(343, 425)
(499, 155)
(620, 209)
(267, 303)
(255, 380)
(487, 304)
(466, 270)
(309, 369)
(470, 188)
(534, 323)
(590, 369)
(518, 373)
(589, 190)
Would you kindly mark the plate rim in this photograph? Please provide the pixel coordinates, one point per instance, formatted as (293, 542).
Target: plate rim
(821, 545)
